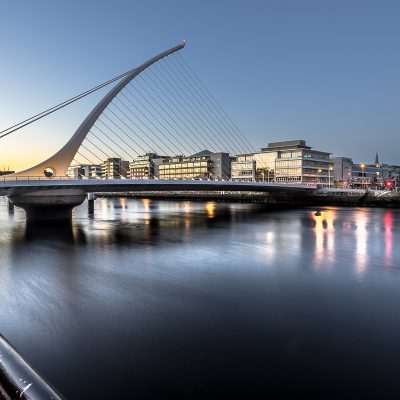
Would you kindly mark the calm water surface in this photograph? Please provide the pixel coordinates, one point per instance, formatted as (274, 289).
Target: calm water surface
(170, 299)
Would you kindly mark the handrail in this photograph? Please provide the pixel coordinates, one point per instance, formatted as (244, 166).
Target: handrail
(18, 380)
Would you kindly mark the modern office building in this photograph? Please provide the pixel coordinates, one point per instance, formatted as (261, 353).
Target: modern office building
(84, 171)
(342, 171)
(394, 174)
(363, 175)
(203, 165)
(114, 168)
(370, 176)
(243, 169)
(144, 167)
(285, 162)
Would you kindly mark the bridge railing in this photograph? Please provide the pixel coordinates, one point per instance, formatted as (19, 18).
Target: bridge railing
(18, 380)
(6, 178)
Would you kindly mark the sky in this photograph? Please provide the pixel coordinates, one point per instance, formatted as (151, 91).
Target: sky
(324, 71)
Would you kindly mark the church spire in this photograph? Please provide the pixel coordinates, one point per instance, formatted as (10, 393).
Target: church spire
(376, 158)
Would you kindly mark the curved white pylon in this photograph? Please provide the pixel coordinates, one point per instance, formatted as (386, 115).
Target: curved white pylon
(60, 161)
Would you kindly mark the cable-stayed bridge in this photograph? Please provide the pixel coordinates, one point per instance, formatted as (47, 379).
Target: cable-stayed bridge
(160, 108)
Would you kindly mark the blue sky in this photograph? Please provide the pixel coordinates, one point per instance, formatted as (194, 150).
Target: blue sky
(325, 71)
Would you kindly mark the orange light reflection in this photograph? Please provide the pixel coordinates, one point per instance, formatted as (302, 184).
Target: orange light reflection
(210, 207)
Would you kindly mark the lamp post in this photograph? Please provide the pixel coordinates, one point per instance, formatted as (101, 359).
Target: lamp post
(377, 180)
(329, 175)
(362, 166)
(319, 177)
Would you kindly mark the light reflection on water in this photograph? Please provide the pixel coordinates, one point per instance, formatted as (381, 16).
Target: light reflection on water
(198, 289)
(361, 235)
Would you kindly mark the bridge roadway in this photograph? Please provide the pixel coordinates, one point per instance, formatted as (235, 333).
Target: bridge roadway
(54, 198)
(9, 187)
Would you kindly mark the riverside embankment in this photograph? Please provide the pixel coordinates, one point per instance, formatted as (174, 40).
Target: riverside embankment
(332, 196)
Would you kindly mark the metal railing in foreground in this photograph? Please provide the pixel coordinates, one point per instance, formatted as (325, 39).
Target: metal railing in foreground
(18, 380)
(6, 178)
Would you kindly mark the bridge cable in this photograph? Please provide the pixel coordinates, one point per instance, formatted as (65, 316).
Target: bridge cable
(191, 82)
(213, 106)
(116, 134)
(159, 122)
(107, 156)
(129, 119)
(195, 112)
(114, 152)
(186, 118)
(188, 113)
(148, 121)
(224, 114)
(126, 134)
(188, 137)
(213, 100)
(34, 118)
(169, 112)
(99, 158)
(214, 146)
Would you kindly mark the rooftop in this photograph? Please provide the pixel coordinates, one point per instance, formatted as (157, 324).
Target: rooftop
(298, 144)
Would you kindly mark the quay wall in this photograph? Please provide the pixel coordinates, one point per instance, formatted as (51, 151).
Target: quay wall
(333, 197)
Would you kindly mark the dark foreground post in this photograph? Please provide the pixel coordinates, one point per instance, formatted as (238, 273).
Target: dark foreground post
(91, 203)
(10, 206)
(18, 380)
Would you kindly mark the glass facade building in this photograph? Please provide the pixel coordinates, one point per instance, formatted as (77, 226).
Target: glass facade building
(286, 162)
(194, 167)
(114, 168)
(203, 165)
(144, 167)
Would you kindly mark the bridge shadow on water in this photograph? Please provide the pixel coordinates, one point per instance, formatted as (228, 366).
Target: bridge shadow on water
(154, 228)
(60, 231)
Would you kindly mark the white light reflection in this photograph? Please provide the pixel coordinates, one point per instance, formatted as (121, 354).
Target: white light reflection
(270, 249)
(361, 236)
(388, 221)
(324, 232)
(104, 204)
(123, 207)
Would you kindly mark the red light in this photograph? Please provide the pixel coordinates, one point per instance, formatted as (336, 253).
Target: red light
(389, 183)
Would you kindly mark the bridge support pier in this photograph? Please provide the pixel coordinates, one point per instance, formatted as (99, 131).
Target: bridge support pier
(10, 206)
(47, 205)
(90, 203)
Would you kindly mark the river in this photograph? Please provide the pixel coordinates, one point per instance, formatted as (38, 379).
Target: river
(175, 299)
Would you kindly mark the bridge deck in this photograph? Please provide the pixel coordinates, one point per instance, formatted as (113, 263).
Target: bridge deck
(8, 187)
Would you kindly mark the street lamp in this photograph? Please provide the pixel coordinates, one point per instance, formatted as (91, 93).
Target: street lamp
(362, 166)
(329, 175)
(377, 179)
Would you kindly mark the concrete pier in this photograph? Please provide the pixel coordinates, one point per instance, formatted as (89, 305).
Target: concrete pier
(91, 199)
(10, 206)
(42, 205)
